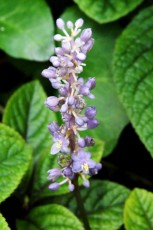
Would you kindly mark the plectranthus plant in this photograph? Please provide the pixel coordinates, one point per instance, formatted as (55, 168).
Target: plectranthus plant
(68, 144)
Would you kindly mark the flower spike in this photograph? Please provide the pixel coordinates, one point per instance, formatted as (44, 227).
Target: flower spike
(67, 64)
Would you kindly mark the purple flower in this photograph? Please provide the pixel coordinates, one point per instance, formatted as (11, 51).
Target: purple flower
(92, 123)
(54, 174)
(55, 186)
(60, 145)
(89, 141)
(67, 172)
(90, 112)
(95, 170)
(86, 183)
(81, 142)
(71, 187)
(82, 162)
(53, 127)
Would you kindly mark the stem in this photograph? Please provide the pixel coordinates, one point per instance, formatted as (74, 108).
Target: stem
(80, 204)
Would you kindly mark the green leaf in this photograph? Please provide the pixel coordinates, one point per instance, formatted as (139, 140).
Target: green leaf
(138, 212)
(7, 131)
(3, 223)
(134, 74)
(26, 28)
(99, 64)
(48, 161)
(103, 202)
(50, 217)
(103, 11)
(15, 156)
(26, 113)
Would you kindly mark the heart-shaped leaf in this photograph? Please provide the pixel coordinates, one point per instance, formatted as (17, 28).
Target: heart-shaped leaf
(138, 212)
(26, 28)
(104, 11)
(26, 113)
(134, 74)
(103, 201)
(50, 217)
(15, 156)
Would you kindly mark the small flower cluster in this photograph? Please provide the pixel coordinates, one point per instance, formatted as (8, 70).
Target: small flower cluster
(63, 75)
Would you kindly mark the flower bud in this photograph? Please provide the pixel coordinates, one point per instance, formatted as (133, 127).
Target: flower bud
(71, 100)
(89, 141)
(71, 187)
(90, 83)
(85, 91)
(58, 37)
(90, 112)
(88, 45)
(54, 174)
(86, 183)
(60, 23)
(81, 142)
(81, 56)
(49, 73)
(86, 34)
(55, 186)
(79, 23)
(53, 127)
(69, 25)
(79, 121)
(64, 108)
(59, 51)
(51, 101)
(63, 91)
(67, 172)
(55, 61)
(92, 123)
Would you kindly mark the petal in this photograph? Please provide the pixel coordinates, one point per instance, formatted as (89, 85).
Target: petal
(88, 155)
(91, 163)
(76, 167)
(74, 157)
(54, 149)
(81, 154)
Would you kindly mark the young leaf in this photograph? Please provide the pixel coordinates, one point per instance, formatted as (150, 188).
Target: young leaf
(50, 217)
(104, 11)
(3, 223)
(26, 113)
(26, 28)
(48, 161)
(138, 212)
(103, 202)
(110, 113)
(15, 156)
(134, 74)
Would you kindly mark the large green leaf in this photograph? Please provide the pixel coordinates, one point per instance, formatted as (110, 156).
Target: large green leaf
(15, 156)
(26, 28)
(3, 223)
(138, 213)
(134, 74)
(99, 64)
(26, 113)
(103, 202)
(52, 217)
(104, 11)
(48, 161)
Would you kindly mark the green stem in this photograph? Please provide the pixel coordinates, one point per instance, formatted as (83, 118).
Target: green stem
(80, 204)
